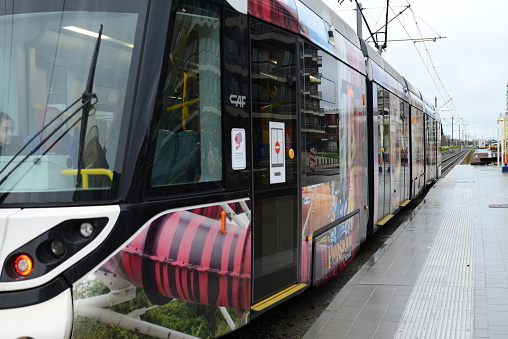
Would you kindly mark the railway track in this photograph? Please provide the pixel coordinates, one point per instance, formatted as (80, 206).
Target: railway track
(452, 157)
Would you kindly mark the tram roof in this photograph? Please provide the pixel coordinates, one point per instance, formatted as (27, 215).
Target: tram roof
(371, 53)
(380, 71)
(329, 16)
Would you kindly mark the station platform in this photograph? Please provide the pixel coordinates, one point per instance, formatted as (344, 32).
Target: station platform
(442, 274)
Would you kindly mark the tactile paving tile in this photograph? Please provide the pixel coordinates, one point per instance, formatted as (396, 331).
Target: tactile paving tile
(441, 302)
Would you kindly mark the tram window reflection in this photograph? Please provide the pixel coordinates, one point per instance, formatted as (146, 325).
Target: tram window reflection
(320, 114)
(188, 147)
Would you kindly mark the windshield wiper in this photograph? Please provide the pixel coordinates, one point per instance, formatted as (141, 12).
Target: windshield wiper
(88, 95)
(86, 100)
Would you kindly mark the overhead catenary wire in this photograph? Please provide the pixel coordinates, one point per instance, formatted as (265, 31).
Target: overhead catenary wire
(436, 79)
(422, 50)
(419, 39)
(389, 21)
(421, 19)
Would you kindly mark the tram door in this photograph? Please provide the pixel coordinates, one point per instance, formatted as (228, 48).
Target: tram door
(274, 130)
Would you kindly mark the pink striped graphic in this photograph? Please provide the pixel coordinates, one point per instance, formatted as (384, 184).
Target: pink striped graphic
(277, 12)
(166, 257)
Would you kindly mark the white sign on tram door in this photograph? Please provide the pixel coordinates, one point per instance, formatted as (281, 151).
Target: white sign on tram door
(277, 153)
(238, 155)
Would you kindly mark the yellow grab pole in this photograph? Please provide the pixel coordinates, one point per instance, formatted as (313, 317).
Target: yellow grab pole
(185, 109)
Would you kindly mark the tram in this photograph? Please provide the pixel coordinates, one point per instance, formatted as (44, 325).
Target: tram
(174, 168)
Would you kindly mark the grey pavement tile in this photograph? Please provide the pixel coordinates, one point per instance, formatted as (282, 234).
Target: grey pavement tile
(395, 310)
(409, 280)
(398, 304)
(404, 293)
(387, 329)
(400, 299)
(372, 280)
(393, 279)
(413, 271)
(330, 337)
(359, 296)
(353, 303)
(496, 330)
(319, 324)
(480, 291)
(482, 284)
(347, 314)
(480, 313)
(499, 291)
(338, 331)
(499, 275)
(340, 325)
(498, 321)
(497, 336)
(498, 301)
(364, 328)
(381, 297)
(368, 318)
(495, 283)
(382, 336)
(360, 335)
(480, 333)
(335, 305)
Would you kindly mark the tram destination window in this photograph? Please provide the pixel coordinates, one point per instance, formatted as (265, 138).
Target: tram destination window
(187, 148)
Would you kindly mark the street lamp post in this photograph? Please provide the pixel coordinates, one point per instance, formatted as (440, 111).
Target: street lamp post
(503, 146)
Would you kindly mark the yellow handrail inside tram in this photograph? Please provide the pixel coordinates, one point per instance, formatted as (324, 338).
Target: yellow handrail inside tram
(85, 172)
(183, 104)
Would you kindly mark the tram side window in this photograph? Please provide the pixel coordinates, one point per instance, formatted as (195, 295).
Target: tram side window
(320, 112)
(188, 143)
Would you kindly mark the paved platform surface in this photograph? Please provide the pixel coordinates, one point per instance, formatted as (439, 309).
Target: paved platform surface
(443, 274)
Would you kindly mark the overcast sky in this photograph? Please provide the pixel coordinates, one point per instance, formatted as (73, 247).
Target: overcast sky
(471, 63)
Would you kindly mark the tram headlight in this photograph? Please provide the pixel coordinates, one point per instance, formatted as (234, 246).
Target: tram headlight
(51, 249)
(86, 230)
(57, 248)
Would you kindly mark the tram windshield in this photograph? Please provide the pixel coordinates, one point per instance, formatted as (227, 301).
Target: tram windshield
(46, 50)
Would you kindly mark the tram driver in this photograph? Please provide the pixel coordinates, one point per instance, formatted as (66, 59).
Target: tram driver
(9, 144)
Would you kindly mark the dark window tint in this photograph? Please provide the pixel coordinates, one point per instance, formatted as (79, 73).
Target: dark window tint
(188, 147)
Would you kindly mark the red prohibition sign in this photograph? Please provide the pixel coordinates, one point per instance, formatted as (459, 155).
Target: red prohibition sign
(277, 147)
